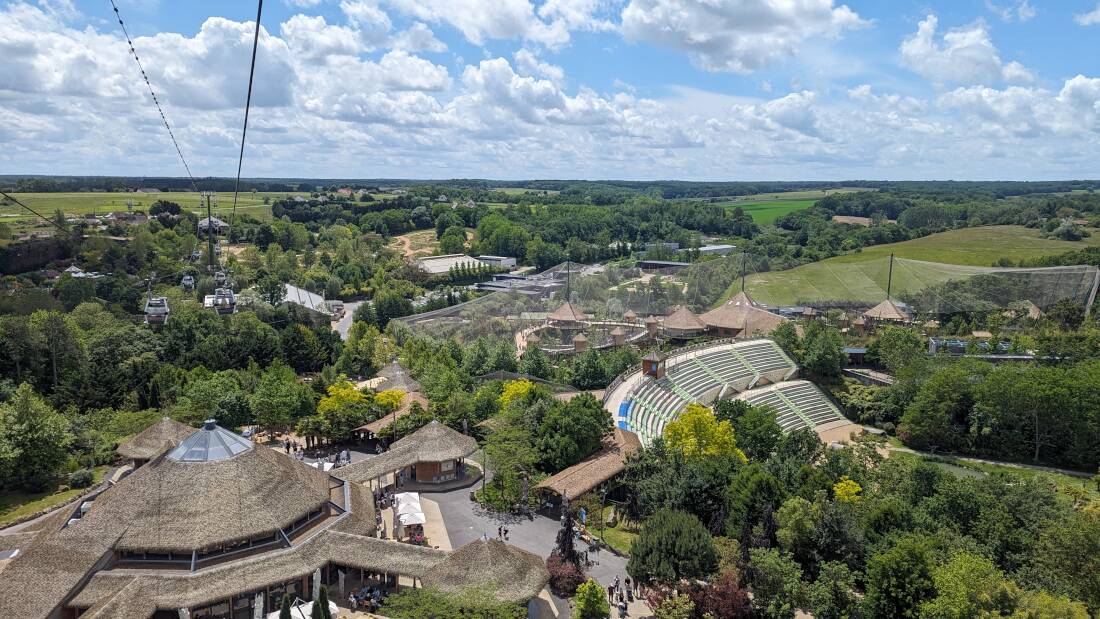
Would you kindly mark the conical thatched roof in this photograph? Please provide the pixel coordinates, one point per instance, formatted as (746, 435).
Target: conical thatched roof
(580, 337)
(743, 315)
(155, 440)
(513, 574)
(397, 377)
(434, 442)
(180, 506)
(630, 315)
(681, 319)
(567, 313)
(887, 310)
(617, 331)
(531, 337)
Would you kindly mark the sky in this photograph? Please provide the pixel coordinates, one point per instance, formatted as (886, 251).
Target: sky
(568, 89)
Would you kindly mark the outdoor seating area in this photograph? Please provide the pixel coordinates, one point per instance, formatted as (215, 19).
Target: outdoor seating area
(798, 404)
(701, 375)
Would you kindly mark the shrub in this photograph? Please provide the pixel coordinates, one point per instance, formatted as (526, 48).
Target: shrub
(81, 479)
(591, 601)
(565, 576)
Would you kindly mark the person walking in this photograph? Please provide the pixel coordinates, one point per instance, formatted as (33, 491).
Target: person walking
(505, 533)
(610, 593)
(500, 532)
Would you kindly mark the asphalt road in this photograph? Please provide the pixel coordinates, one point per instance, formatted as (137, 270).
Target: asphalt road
(343, 325)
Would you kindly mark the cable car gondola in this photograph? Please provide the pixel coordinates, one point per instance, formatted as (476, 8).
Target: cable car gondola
(223, 301)
(188, 282)
(156, 311)
(220, 278)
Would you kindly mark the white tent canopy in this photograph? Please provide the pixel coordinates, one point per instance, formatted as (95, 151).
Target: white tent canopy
(407, 510)
(407, 503)
(407, 519)
(304, 610)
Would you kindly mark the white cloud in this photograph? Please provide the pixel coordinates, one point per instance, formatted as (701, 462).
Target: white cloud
(529, 64)
(418, 37)
(315, 39)
(372, 22)
(303, 4)
(71, 102)
(1088, 19)
(734, 35)
(1020, 10)
(961, 56)
(480, 20)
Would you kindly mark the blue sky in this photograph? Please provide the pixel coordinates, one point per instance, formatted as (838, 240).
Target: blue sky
(632, 89)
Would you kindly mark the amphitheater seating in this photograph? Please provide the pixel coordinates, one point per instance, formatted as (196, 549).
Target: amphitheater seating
(798, 404)
(653, 403)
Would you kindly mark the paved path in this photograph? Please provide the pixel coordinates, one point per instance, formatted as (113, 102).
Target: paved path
(343, 325)
(466, 521)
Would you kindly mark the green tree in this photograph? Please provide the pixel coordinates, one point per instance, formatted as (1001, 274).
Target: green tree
(510, 455)
(270, 288)
(786, 335)
(591, 601)
(34, 440)
(897, 348)
(588, 371)
(776, 583)
(697, 433)
(285, 610)
(757, 432)
(833, 594)
(672, 546)
(823, 351)
(1067, 558)
(899, 580)
(536, 362)
(280, 398)
(571, 432)
(968, 585)
(753, 495)
(73, 291)
(675, 607)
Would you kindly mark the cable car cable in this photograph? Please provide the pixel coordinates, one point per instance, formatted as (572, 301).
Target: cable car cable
(156, 101)
(247, 106)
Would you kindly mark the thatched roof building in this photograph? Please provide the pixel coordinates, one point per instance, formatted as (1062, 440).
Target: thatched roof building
(512, 574)
(594, 470)
(568, 315)
(155, 440)
(887, 311)
(219, 521)
(741, 317)
(395, 376)
(681, 323)
(434, 442)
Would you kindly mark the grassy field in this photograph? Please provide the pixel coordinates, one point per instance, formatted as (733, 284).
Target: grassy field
(765, 213)
(862, 276)
(83, 203)
(1068, 485)
(16, 505)
(765, 208)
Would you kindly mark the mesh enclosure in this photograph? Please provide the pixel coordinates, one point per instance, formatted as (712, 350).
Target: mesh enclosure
(608, 294)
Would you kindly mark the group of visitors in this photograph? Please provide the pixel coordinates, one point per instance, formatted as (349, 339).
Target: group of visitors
(621, 592)
(367, 598)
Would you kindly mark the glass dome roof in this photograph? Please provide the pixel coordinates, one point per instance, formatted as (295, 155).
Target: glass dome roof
(210, 444)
